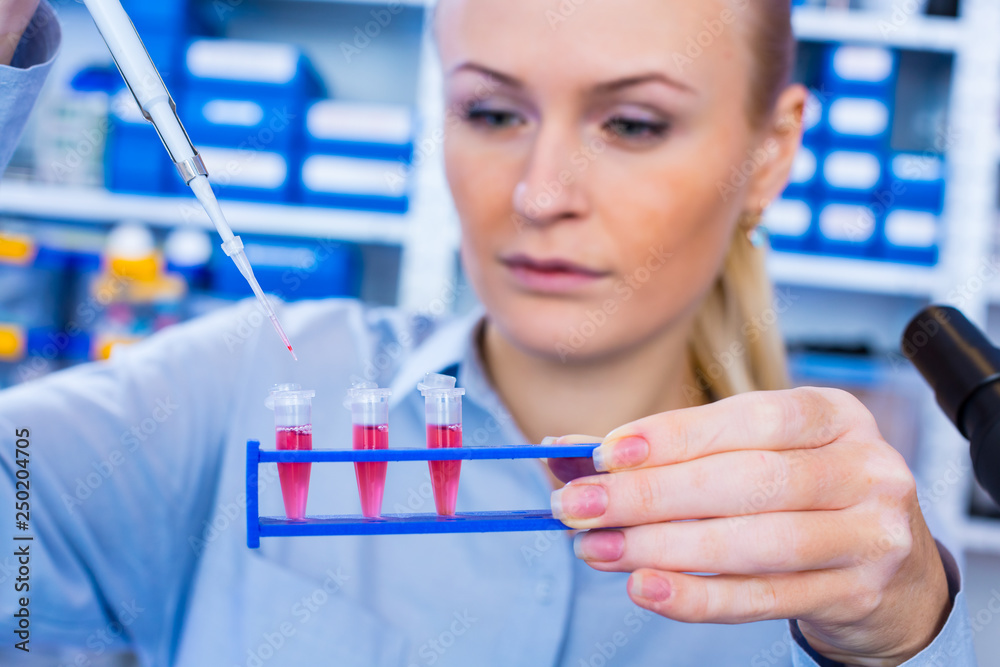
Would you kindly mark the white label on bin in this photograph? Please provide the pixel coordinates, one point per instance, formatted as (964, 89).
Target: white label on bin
(238, 60)
(868, 64)
(360, 122)
(262, 254)
(812, 112)
(911, 229)
(233, 112)
(804, 166)
(915, 167)
(847, 222)
(344, 175)
(123, 106)
(788, 217)
(245, 168)
(852, 170)
(859, 116)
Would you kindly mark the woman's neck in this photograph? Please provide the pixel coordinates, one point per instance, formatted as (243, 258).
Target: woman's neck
(547, 397)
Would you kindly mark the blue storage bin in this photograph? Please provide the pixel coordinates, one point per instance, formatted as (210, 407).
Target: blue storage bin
(917, 181)
(253, 124)
(847, 228)
(790, 224)
(293, 271)
(245, 174)
(863, 122)
(238, 69)
(804, 179)
(357, 129)
(163, 16)
(860, 70)
(166, 50)
(348, 182)
(134, 159)
(911, 235)
(851, 175)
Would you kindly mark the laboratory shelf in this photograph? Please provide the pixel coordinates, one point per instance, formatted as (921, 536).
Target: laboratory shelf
(853, 275)
(405, 3)
(906, 31)
(399, 524)
(982, 535)
(97, 205)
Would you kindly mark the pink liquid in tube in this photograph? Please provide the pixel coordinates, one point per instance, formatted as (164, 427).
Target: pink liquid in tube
(294, 477)
(371, 476)
(292, 431)
(443, 416)
(444, 474)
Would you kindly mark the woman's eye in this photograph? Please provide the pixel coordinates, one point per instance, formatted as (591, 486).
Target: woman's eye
(492, 118)
(631, 128)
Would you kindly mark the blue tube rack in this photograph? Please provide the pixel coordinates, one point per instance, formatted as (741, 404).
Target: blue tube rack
(400, 524)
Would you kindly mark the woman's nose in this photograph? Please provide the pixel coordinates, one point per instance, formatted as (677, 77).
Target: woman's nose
(550, 189)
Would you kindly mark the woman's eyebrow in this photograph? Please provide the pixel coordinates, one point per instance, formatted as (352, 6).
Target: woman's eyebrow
(639, 79)
(598, 89)
(505, 79)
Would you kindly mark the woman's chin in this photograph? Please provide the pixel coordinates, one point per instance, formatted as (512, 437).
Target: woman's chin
(567, 333)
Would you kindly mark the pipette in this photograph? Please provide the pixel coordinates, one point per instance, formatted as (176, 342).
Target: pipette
(143, 80)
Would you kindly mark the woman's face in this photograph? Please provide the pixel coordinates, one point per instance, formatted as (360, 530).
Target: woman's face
(594, 157)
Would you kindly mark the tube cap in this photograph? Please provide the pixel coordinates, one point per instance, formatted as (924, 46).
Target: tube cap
(365, 392)
(953, 355)
(435, 384)
(288, 394)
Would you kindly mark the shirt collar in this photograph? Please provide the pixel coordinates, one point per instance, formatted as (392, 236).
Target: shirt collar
(456, 344)
(451, 344)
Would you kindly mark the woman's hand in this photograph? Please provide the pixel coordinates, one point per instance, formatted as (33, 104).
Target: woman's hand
(15, 15)
(802, 509)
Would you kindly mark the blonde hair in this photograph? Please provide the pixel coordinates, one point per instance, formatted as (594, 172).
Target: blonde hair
(736, 345)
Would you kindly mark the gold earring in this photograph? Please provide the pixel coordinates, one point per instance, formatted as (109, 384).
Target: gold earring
(756, 233)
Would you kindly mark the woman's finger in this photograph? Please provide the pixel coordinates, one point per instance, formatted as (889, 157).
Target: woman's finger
(569, 469)
(727, 484)
(802, 418)
(758, 544)
(728, 598)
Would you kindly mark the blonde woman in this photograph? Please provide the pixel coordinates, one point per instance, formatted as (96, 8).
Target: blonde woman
(591, 153)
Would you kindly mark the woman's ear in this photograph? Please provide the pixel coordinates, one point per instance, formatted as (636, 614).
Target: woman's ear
(781, 140)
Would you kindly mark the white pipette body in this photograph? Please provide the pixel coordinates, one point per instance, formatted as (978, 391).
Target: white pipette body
(146, 85)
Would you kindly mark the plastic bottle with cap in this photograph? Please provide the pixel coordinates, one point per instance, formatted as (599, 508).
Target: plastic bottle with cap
(293, 430)
(443, 415)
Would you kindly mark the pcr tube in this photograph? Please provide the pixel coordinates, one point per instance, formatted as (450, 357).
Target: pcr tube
(292, 430)
(369, 408)
(443, 415)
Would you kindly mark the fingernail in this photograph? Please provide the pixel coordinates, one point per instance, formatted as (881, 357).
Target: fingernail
(632, 450)
(549, 440)
(599, 545)
(579, 501)
(649, 586)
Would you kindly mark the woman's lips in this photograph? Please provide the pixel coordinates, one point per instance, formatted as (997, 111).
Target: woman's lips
(550, 275)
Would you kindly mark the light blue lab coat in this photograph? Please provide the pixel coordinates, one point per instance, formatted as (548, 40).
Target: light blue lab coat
(138, 510)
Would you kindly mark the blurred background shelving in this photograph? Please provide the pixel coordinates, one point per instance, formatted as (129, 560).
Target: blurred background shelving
(842, 306)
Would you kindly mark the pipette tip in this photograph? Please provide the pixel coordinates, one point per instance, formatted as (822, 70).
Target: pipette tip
(293, 353)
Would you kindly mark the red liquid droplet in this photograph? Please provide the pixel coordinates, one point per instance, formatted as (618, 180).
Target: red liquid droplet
(294, 477)
(371, 476)
(444, 474)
